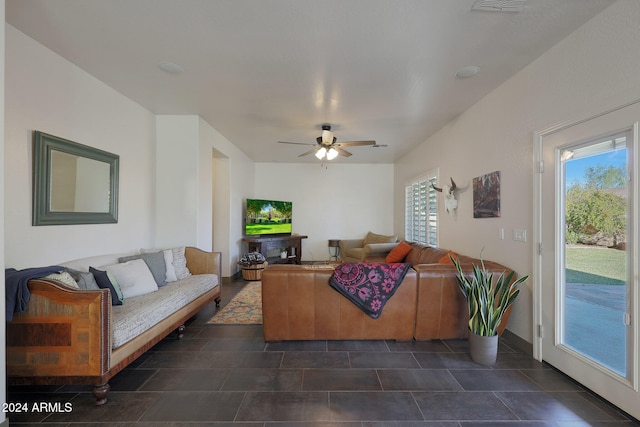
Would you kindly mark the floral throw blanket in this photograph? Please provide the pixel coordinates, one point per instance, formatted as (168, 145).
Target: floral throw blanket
(368, 285)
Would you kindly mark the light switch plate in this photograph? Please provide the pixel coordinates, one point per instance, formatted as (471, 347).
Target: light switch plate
(519, 235)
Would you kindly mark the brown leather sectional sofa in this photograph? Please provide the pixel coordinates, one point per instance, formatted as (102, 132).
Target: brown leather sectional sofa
(299, 304)
(442, 310)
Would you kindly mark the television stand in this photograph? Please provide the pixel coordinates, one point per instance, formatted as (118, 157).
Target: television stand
(267, 245)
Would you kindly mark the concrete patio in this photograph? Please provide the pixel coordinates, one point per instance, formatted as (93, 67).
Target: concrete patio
(595, 323)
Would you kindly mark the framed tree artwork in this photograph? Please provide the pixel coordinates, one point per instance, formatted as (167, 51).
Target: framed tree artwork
(486, 195)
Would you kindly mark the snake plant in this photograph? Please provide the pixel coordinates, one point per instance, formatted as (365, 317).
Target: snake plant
(487, 299)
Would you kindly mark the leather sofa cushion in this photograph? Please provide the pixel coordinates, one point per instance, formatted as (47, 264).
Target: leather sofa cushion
(429, 255)
(447, 258)
(424, 254)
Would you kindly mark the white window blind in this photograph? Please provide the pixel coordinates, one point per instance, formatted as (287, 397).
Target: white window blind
(421, 210)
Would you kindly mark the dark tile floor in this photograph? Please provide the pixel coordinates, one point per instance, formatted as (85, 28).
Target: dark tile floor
(226, 375)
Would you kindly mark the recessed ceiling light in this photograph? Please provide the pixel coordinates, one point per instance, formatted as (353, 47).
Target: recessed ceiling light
(468, 71)
(170, 67)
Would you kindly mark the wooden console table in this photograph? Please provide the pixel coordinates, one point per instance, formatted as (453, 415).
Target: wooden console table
(292, 244)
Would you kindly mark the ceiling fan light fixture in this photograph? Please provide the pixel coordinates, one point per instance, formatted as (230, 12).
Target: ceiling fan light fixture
(327, 145)
(320, 153)
(327, 136)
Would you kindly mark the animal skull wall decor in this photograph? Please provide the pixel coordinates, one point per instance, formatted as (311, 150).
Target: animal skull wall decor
(450, 202)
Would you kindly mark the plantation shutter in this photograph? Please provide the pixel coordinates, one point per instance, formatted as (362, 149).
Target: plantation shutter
(421, 210)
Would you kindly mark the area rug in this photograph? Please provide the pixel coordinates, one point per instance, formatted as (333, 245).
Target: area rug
(244, 309)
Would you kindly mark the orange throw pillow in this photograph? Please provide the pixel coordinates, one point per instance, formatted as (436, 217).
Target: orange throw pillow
(446, 260)
(398, 253)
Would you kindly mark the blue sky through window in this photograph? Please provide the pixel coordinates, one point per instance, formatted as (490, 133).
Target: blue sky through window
(575, 169)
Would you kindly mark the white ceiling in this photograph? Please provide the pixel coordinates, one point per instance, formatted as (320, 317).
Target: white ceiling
(262, 71)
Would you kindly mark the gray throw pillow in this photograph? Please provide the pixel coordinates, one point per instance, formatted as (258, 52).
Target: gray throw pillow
(155, 262)
(84, 280)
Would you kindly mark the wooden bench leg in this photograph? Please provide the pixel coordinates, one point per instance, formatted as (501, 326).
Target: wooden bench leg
(100, 393)
(180, 331)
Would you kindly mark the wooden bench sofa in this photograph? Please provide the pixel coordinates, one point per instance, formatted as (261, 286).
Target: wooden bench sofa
(67, 335)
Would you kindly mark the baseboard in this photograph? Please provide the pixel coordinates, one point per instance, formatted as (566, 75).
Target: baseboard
(513, 340)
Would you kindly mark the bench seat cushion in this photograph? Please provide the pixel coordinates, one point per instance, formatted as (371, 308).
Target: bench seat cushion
(140, 313)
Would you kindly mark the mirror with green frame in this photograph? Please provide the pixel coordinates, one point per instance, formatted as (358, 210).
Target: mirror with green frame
(73, 183)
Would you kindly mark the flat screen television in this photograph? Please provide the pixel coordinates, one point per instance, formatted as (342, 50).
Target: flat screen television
(267, 217)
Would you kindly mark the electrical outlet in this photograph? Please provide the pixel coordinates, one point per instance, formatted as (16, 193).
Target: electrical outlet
(519, 235)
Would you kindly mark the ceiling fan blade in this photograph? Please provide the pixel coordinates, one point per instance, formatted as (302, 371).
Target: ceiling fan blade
(313, 150)
(355, 143)
(296, 143)
(341, 151)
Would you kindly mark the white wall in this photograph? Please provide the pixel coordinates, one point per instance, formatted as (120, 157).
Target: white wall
(3, 358)
(343, 201)
(222, 209)
(176, 180)
(45, 92)
(233, 180)
(592, 70)
(189, 180)
(205, 189)
(166, 171)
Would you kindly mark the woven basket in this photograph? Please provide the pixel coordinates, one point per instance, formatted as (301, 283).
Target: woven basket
(253, 272)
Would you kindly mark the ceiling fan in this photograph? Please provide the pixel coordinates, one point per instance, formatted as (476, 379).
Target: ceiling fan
(327, 146)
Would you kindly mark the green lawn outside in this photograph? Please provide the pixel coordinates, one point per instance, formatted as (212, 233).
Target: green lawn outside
(597, 266)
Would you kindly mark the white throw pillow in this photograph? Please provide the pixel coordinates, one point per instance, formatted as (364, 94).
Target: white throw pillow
(65, 278)
(171, 270)
(180, 263)
(134, 277)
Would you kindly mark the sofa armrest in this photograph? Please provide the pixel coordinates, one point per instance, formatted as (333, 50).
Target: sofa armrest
(379, 248)
(442, 309)
(65, 333)
(203, 262)
(347, 244)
